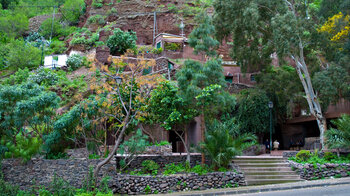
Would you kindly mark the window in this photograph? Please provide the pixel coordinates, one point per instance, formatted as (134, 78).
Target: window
(159, 45)
(229, 79)
(252, 78)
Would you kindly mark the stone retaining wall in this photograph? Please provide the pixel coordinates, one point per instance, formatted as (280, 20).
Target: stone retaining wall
(161, 160)
(127, 184)
(41, 171)
(309, 172)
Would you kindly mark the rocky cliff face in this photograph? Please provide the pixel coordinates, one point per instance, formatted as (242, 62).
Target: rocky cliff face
(140, 16)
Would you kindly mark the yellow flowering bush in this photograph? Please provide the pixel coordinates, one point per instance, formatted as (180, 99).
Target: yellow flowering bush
(333, 24)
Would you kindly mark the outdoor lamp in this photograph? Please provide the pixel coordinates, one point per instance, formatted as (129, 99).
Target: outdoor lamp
(270, 104)
(182, 25)
(270, 108)
(118, 79)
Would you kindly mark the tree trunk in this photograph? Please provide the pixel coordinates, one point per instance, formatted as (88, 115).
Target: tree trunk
(115, 148)
(188, 156)
(312, 100)
(202, 134)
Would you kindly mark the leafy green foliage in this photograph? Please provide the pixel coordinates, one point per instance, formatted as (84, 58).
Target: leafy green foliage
(76, 61)
(58, 47)
(235, 18)
(315, 158)
(162, 143)
(282, 89)
(303, 155)
(167, 107)
(96, 19)
(253, 112)
(339, 137)
(97, 3)
(26, 113)
(6, 3)
(25, 146)
(121, 41)
(85, 37)
(331, 84)
(49, 30)
(193, 78)
(13, 24)
(135, 145)
(173, 168)
(44, 77)
(202, 37)
(72, 10)
(172, 46)
(22, 55)
(329, 156)
(18, 78)
(223, 142)
(150, 167)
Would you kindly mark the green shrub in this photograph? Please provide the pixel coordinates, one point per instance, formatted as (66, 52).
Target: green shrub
(58, 47)
(162, 143)
(75, 61)
(223, 141)
(48, 30)
(72, 10)
(173, 169)
(329, 156)
(148, 189)
(303, 155)
(121, 41)
(22, 55)
(157, 50)
(96, 19)
(172, 46)
(200, 170)
(25, 147)
(44, 77)
(18, 78)
(150, 167)
(97, 3)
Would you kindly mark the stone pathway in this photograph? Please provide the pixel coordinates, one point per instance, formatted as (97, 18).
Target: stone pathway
(266, 188)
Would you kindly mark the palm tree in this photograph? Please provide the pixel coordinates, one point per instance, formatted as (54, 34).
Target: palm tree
(339, 138)
(224, 141)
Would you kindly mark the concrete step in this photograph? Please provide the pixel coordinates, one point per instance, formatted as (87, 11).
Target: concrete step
(258, 169)
(258, 172)
(270, 181)
(239, 161)
(242, 165)
(255, 177)
(260, 158)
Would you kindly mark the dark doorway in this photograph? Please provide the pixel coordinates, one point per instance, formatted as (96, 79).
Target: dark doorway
(176, 142)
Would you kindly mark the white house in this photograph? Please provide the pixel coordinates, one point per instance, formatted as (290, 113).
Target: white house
(55, 61)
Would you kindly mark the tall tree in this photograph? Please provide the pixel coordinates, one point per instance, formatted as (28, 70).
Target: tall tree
(171, 111)
(259, 28)
(202, 37)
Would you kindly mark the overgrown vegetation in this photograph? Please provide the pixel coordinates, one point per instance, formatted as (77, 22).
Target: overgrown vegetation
(305, 156)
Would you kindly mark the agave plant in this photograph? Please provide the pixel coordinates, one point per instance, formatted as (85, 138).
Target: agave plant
(224, 141)
(339, 138)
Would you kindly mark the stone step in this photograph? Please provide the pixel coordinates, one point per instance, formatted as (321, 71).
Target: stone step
(270, 181)
(242, 165)
(258, 172)
(259, 158)
(239, 161)
(258, 169)
(254, 177)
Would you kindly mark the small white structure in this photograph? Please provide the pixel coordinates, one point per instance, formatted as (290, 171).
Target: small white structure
(55, 61)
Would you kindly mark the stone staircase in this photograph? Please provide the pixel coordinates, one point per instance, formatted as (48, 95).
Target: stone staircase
(266, 170)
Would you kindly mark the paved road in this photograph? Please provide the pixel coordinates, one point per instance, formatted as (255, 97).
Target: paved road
(338, 190)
